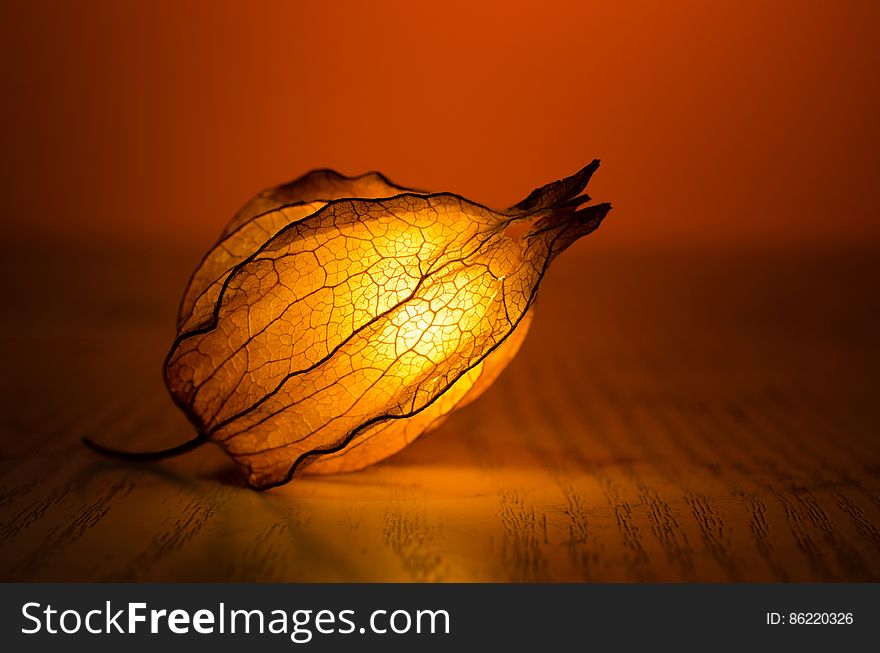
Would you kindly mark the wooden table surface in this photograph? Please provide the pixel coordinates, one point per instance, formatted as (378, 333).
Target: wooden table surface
(673, 416)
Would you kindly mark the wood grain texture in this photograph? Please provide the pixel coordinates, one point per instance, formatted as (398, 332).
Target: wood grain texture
(676, 416)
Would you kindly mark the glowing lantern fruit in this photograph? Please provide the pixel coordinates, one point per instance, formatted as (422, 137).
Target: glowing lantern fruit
(324, 333)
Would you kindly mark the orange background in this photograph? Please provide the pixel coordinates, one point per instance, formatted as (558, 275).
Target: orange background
(734, 122)
(678, 411)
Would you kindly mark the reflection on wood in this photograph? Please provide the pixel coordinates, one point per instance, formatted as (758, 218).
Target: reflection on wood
(690, 417)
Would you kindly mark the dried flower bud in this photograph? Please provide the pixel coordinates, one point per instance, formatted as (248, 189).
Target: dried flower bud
(340, 318)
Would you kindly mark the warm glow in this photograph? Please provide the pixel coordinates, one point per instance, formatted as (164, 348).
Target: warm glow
(325, 334)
